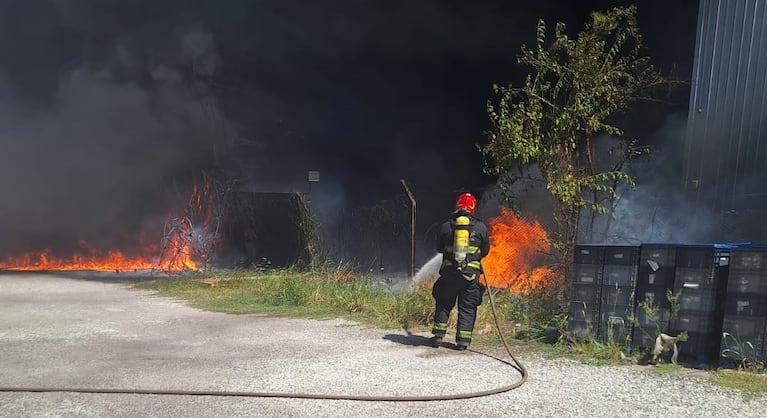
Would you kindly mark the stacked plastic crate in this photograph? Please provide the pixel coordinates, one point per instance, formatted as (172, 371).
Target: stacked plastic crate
(619, 274)
(700, 280)
(583, 322)
(745, 307)
(653, 309)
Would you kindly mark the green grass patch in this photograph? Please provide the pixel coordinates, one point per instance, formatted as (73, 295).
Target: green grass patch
(594, 352)
(745, 381)
(329, 293)
(334, 293)
(296, 294)
(666, 368)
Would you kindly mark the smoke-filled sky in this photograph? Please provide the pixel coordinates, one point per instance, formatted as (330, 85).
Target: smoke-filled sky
(103, 103)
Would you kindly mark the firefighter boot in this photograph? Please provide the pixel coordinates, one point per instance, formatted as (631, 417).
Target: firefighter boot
(436, 341)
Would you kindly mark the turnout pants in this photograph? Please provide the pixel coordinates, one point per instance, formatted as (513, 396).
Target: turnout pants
(447, 289)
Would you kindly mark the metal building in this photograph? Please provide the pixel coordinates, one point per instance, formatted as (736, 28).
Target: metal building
(725, 152)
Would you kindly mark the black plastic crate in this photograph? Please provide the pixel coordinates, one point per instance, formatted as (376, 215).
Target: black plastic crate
(589, 254)
(693, 322)
(616, 334)
(735, 353)
(697, 300)
(583, 321)
(744, 327)
(695, 256)
(613, 275)
(657, 256)
(617, 296)
(664, 276)
(745, 305)
(621, 255)
(700, 349)
(746, 340)
(747, 281)
(581, 330)
(616, 329)
(585, 293)
(658, 295)
(722, 258)
(662, 317)
(750, 259)
(695, 278)
(583, 311)
(623, 311)
(587, 274)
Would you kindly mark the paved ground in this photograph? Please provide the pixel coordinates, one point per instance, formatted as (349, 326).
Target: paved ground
(63, 332)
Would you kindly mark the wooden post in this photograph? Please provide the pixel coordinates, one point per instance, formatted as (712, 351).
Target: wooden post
(412, 228)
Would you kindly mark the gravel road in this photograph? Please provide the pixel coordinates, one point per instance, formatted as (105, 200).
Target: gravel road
(58, 331)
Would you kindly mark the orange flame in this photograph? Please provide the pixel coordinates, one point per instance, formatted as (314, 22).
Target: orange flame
(184, 245)
(516, 245)
(180, 250)
(89, 259)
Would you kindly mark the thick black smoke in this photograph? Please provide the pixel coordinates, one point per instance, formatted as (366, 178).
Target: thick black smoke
(90, 150)
(105, 104)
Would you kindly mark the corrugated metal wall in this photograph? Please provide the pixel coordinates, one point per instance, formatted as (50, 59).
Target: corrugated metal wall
(725, 163)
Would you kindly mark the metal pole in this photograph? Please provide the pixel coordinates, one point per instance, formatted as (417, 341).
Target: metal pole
(412, 228)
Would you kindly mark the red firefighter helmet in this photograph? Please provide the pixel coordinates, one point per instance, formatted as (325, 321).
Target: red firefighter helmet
(466, 201)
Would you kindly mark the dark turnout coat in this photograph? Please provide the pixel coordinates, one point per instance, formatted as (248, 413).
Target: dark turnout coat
(479, 244)
(462, 286)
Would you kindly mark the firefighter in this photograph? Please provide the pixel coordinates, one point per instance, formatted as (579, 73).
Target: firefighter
(463, 241)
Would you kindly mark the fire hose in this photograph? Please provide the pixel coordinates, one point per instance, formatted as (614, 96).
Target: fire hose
(516, 365)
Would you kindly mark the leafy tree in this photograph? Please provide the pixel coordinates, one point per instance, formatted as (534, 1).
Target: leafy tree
(573, 92)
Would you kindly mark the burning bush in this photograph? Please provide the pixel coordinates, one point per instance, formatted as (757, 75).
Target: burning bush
(517, 254)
